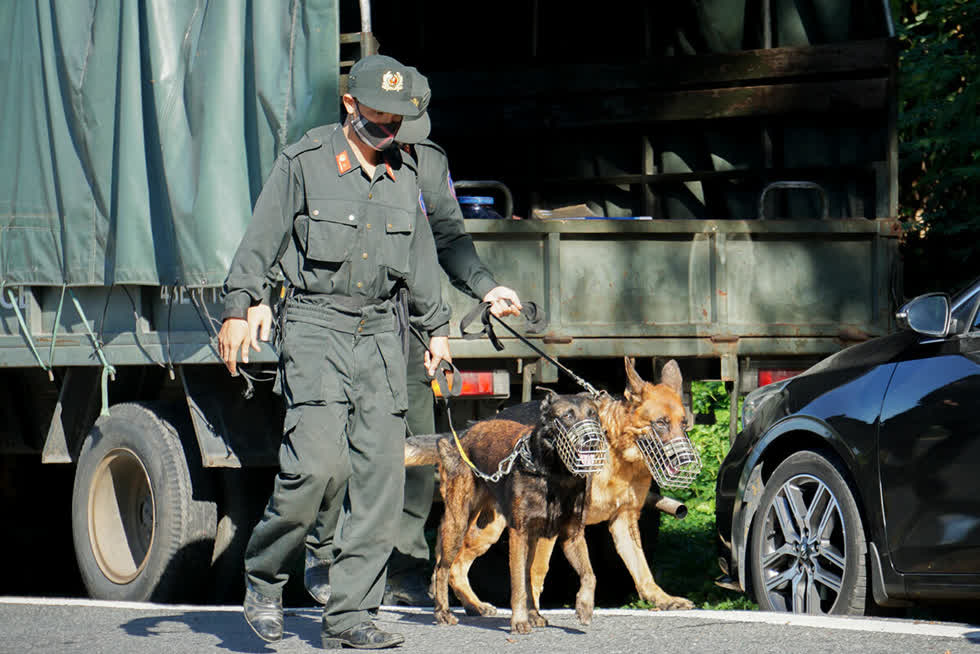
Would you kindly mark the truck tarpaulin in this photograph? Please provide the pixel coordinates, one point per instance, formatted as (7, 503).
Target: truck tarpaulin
(135, 136)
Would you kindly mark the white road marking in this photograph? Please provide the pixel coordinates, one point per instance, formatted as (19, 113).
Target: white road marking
(890, 626)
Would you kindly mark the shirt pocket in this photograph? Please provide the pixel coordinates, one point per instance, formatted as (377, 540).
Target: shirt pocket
(399, 226)
(328, 235)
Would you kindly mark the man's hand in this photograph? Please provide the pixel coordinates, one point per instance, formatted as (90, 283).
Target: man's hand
(439, 348)
(503, 302)
(234, 336)
(259, 324)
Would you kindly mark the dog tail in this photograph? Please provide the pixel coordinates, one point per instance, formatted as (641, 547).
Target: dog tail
(421, 450)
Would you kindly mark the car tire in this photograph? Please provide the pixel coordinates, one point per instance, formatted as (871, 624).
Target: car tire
(807, 549)
(141, 532)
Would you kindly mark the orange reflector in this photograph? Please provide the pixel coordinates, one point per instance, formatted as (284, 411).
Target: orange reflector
(770, 376)
(480, 384)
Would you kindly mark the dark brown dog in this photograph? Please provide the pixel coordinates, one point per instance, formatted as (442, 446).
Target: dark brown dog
(617, 493)
(540, 501)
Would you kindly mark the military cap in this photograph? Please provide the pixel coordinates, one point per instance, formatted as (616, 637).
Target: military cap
(385, 84)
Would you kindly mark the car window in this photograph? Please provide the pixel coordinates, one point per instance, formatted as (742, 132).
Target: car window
(962, 311)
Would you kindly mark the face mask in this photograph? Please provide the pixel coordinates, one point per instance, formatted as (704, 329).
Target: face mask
(379, 136)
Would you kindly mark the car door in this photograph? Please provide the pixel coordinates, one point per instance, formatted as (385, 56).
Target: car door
(929, 453)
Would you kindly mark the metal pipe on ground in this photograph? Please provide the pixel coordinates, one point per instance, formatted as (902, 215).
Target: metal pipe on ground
(669, 505)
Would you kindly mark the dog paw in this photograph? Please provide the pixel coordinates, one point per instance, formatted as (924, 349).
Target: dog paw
(584, 614)
(444, 616)
(676, 604)
(671, 603)
(482, 609)
(537, 620)
(520, 627)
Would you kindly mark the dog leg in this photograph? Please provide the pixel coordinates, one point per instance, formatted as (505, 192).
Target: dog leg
(539, 567)
(457, 487)
(577, 552)
(478, 541)
(534, 615)
(626, 536)
(519, 582)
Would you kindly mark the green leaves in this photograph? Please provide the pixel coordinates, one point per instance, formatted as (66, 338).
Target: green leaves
(939, 133)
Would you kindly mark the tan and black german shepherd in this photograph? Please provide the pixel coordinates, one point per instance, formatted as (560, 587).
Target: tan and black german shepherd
(539, 500)
(616, 495)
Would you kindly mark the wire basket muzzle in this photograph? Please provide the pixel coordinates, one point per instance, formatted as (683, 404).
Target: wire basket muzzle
(582, 447)
(674, 464)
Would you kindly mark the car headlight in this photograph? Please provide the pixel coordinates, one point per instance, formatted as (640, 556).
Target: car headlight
(754, 400)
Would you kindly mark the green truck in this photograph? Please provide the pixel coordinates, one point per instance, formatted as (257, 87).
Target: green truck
(714, 182)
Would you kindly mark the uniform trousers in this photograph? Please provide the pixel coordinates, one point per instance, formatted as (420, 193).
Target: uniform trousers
(342, 456)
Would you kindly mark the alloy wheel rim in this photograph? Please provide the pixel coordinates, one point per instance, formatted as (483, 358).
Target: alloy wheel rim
(121, 516)
(804, 549)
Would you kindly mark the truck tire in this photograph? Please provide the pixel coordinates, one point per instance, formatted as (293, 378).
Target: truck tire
(139, 532)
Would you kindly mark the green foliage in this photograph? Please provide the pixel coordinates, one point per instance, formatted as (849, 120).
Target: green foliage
(939, 131)
(689, 563)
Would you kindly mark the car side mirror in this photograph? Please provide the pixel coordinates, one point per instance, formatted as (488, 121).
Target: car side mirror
(926, 314)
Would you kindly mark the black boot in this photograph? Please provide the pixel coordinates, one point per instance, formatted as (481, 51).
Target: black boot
(316, 578)
(407, 588)
(362, 636)
(263, 614)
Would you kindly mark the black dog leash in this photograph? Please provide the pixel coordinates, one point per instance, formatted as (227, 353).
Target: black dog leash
(537, 323)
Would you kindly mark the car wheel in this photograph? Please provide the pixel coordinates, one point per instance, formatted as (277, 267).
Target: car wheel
(139, 531)
(807, 547)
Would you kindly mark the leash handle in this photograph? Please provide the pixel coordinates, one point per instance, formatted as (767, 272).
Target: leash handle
(445, 387)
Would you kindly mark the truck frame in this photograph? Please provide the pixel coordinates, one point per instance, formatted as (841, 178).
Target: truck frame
(780, 264)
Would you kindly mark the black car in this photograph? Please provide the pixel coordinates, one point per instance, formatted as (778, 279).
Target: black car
(859, 479)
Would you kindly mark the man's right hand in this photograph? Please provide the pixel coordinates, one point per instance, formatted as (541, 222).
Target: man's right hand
(234, 336)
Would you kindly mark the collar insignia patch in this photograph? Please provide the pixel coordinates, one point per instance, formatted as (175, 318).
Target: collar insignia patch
(343, 163)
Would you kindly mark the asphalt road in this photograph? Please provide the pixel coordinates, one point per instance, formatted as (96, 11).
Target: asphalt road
(87, 627)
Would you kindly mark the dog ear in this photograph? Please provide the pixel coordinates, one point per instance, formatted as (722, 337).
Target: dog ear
(635, 388)
(671, 377)
(549, 397)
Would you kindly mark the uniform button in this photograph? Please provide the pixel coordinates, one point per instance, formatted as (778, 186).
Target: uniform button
(362, 323)
(360, 284)
(316, 212)
(390, 225)
(370, 195)
(369, 225)
(360, 329)
(350, 217)
(364, 255)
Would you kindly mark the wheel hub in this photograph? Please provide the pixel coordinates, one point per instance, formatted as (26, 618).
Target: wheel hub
(804, 554)
(121, 516)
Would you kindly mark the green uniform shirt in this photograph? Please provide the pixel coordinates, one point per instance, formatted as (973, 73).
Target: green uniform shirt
(457, 256)
(333, 231)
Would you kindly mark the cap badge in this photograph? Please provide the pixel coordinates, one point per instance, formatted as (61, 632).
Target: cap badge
(392, 81)
(415, 101)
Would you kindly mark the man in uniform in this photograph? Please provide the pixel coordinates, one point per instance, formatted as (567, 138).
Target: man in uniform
(340, 215)
(408, 568)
